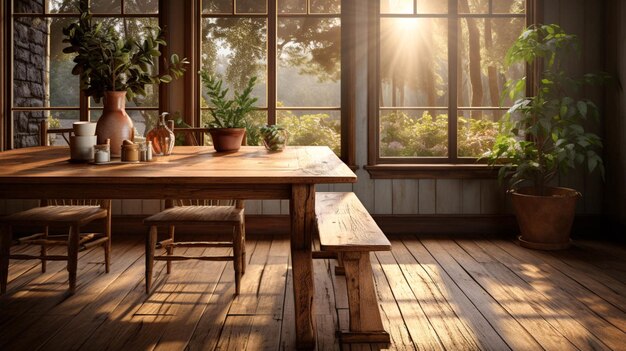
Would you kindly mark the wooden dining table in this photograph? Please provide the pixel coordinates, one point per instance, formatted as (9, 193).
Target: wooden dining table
(194, 172)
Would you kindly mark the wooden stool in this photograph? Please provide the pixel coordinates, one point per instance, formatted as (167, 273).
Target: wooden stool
(70, 213)
(196, 212)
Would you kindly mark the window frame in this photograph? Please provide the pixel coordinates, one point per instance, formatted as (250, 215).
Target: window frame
(84, 108)
(450, 166)
(347, 17)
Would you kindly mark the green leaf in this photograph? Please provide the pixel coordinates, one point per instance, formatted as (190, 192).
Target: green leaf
(582, 108)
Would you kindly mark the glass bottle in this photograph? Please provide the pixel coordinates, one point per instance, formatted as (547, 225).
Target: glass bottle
(162, 137)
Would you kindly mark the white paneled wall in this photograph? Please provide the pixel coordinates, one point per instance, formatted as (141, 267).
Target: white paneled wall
(423, 196)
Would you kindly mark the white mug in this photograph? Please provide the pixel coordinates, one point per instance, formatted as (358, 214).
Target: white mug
(84, 128)
(81, 147)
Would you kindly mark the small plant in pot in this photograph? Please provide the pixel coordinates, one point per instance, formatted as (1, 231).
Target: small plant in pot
(116, 69)
(274, 137)
(229, 124)
(544, 135)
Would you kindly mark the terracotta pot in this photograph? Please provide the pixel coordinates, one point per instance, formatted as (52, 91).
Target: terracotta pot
(545, 221)
(114, 124)
(227, 139)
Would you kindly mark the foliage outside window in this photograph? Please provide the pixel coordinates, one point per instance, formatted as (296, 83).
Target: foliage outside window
(298, 72)
(43, 85)
(439, 99)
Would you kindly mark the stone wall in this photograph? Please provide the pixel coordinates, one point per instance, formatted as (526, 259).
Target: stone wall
(30, 49)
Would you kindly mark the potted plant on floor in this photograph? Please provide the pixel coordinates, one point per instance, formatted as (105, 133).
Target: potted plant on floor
(228, 127)
(545, 135)
(116, 69)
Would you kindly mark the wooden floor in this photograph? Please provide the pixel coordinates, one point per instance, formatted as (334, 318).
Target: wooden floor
(434, 294)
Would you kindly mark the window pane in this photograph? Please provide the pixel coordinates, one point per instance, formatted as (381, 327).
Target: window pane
(60, 119)
(235, 49)
(62, 6)
(27, 6)
(326, 6)
(414, 133)
(291, 6)
(312, 128)
(106, 6)
(473, 6)
(217, 6)
(482, 48)
(396, 6)
(509, 6)
(413, 62)
(432, 6)
(141, 6)
(41, 71)
(477, 131)
(251, 6)
(309, 62)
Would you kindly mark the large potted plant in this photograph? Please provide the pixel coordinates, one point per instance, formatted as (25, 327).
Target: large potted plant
(228, 127)
(116, 69)
(545, 135)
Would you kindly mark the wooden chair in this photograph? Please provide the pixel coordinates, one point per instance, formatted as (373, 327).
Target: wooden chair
(57, 212)
(205, 213)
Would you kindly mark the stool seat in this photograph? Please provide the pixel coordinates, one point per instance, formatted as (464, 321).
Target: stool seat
(48, 215)
(197, 215)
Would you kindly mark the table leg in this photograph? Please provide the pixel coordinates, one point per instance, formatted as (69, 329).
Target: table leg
(302, 210)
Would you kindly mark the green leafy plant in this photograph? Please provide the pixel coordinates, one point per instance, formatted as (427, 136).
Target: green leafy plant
(544, 135)
(312, 129)
(228, 113)
(274, 137)
(402, 135)
(106, 62)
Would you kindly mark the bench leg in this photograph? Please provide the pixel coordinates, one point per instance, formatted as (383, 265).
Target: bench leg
(366, 326)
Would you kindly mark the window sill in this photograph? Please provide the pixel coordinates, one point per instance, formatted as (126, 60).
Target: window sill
(430, 171)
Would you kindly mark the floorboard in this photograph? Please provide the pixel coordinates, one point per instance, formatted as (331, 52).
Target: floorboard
(447, 294)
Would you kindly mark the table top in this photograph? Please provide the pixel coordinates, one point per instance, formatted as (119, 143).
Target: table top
(192, 164)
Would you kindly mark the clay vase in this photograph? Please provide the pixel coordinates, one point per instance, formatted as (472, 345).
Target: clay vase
(545, 220)
(114, 124)
(227, 139)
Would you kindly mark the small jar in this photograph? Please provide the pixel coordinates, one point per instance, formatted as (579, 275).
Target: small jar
(142, 152)
(102, 153)
(130, 153)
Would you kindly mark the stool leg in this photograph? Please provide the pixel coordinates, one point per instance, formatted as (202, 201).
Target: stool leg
(150, 244)
(107, 245)
(5, 247)
(170, 249)
(44, 250)
(237, 256)
(72, 255)
(243, 248)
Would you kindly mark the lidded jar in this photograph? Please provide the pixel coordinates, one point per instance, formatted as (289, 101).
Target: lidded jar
(162, 136)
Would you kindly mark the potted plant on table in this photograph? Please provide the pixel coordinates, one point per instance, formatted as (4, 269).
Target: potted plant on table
(544, 135)
(229, 123)
(116, 69)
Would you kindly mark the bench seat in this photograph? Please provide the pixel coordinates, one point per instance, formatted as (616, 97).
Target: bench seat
(348, 230)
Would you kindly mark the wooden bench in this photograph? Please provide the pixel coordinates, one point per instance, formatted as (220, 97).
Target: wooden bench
(346, 229)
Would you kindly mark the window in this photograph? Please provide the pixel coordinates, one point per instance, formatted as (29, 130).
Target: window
(293, 47)
(440, 75)
(43, 85)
